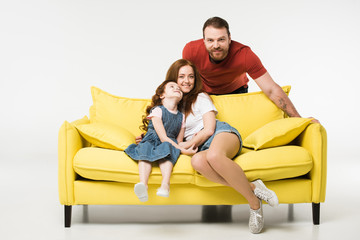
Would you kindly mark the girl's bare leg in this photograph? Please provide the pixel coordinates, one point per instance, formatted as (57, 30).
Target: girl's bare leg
(144, 171)
(166, 168)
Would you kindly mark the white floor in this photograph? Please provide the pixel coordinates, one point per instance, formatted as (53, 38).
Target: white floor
(30, 210)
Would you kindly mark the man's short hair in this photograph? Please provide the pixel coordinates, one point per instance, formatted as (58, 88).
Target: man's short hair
(216, 22)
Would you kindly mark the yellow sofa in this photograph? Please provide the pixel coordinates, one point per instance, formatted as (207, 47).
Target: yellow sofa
(94, 170)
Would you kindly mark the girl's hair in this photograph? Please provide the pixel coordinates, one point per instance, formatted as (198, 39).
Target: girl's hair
(190, 97)
(155, 101)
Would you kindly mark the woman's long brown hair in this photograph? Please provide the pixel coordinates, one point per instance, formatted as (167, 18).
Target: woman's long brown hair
(172, 76)
(155, 101)
(190, 97)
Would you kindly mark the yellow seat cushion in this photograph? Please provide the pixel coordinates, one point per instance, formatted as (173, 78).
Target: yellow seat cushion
(247, 112)
(270, 164)
(106, 135)
(276, 133)
(111, 165)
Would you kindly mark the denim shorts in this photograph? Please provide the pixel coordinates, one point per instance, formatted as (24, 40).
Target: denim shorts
(221, 127)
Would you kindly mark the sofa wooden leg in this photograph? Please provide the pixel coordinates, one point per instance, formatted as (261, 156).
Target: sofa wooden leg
(225, 213)
(215, 213)
(291, 212)
(316, 213)
(67, 211)
(85, 213)
(209, 213)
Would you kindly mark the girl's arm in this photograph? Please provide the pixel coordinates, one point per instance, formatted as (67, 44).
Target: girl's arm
(209, 120)
(180, 137)
(160, 130)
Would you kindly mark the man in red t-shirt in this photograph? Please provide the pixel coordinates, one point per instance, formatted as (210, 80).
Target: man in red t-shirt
(223, 71)
(223, 65)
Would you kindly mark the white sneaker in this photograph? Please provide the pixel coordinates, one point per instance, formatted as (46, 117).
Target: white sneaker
(141, 191)
(256, 220)
(163, 192)
(263, 193)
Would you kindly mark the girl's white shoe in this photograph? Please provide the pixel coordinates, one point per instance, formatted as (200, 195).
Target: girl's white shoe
(162, 192)
(141, 191)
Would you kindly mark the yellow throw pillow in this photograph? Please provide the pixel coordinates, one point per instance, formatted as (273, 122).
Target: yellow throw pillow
(120, 111)
(276, 133)
(248, 111)
(106, 135)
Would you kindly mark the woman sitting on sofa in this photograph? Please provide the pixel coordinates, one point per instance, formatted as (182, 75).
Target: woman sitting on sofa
(217, 141)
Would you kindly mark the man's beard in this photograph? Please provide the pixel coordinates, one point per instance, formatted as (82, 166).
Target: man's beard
(218, 57)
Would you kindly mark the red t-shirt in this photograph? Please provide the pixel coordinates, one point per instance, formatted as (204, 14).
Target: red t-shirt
(228, 75)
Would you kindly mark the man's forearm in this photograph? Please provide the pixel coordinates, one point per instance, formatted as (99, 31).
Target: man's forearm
(276, 94)
(281, 100)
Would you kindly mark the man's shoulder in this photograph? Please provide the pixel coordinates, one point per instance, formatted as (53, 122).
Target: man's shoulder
(238, 46)
(194, 49)
(196, 44)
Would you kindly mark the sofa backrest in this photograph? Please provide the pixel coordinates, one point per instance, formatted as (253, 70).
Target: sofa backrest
(121, 111)
(246, 112)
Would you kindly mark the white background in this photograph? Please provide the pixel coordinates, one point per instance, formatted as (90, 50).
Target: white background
(52, 52)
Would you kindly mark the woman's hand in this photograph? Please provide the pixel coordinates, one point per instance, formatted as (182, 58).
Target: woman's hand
(184, 145)
(189, 151)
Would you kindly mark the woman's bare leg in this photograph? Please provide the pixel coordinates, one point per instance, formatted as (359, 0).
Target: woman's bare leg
(224, 147)
(200, 164)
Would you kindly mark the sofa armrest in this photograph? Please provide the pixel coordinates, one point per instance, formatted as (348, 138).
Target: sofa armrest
(69, 143)
(314, 139)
